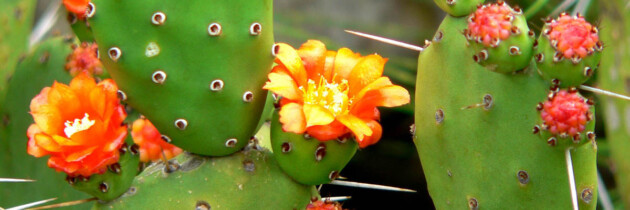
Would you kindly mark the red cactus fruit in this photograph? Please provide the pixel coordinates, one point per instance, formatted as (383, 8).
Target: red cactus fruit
(84, 58)
(573, 36)
(566, 113)
(491, 23)
(324, 205)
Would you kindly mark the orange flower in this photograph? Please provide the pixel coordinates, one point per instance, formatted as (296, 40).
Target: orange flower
(84, 58)
(328, 94)
(78, 7)
(80, 126)
(152, 146)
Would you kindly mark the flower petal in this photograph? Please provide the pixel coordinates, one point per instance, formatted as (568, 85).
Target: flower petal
(368, 69)
(317, 115)
(329, 65)
(79, 155)
(356, 125)
(283, 84)
(389, 96)
(289, 58)
(47, 143)
(34, 150)
(344, 63)
(377, 131)
(327, 132)
(313, 54)
(76, 6)
(292, 118)
(376, 84)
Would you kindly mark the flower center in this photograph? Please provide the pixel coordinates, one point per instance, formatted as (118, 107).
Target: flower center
(332, 96)
(78, 125)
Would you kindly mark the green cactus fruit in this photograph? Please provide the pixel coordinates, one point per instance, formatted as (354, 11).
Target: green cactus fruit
(116, 180)
(37, 70)
(16, 17)
(501, 37)
(245, 180)
(567, 119)
(474, 135)
(308, 160)
(568, 50)
(458, 8)
(195, 69)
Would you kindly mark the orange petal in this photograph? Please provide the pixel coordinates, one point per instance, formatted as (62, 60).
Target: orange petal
(317, 115)
(365, 72)
(40, 99)
(344, 63)
(313, 54)
(376, 84)
(32, 130)
(48, 119)
(327, 132)
(356, 125)
(83, 84)
(389, 96)
(47, 143)
(76, 6)
(329, 66)
(60, 140)
(377, 131)
(291, 60)
(79, 155)
(282, 84)
(292, 118)
(34, 150)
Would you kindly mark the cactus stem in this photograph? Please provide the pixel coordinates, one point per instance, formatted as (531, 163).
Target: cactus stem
(369, 186)
(65, 204)
(337, 198)
(28, 205)
(574, 199)
(386, 40)
(15, 180)
(604, 92)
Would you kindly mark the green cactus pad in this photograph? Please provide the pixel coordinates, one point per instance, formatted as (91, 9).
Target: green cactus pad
(16, 17)
(497, 54)
(474, 135)
(308, 160)
(195, 69)
(80, 28)
(243, 180)
(458, 8)
(37, 70)
(116, 180)
(570, 72)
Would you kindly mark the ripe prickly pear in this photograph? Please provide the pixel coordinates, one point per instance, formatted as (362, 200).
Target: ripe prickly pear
(568, 50)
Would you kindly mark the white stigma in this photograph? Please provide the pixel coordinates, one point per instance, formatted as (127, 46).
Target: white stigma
(78, 125)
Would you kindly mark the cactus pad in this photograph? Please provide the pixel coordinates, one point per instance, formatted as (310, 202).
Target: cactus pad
(244, 180)
(458, 7)
(194, 69)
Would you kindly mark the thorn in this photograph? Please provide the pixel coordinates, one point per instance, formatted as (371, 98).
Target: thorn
(604, 92)
(28, 205)
(369, 186)
(386, 40)
(337, 198)
(64, 204)
(574, 199)
(15, 180)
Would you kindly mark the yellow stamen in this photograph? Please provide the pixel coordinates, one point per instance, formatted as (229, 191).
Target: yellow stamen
(332, 96)
(78, 125)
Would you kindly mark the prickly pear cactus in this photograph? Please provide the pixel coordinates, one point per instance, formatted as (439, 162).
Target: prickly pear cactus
(458, 7)
(474, 134)
(16, 17)
(37, 70)
(194, 69)
(191, 181)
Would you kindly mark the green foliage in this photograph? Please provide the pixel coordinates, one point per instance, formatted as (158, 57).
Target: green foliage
(485, 155)
(172, 56)
(245, 180)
